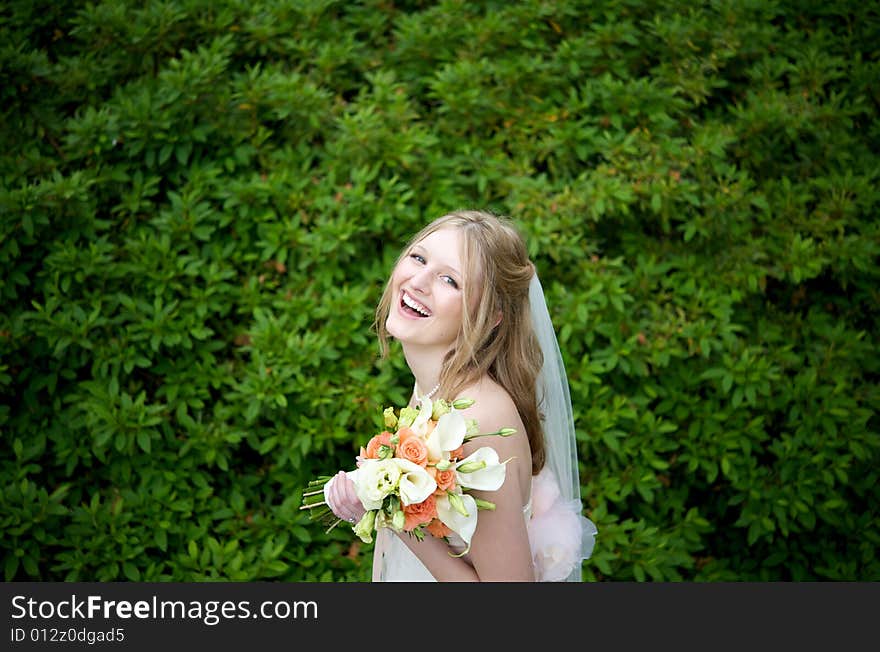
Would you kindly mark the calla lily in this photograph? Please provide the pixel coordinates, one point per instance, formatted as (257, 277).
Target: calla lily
(481, 470)
(462, 524)
(420, 425)
(447, 435)
(440, 407)
(415, 483)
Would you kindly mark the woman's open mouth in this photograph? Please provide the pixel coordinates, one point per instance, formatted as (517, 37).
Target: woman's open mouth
(409, 306)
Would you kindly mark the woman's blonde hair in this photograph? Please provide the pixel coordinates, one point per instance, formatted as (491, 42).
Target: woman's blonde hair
(497, 273)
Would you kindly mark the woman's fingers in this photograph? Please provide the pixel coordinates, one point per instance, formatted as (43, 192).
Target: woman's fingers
(348, 490)
(342, 498)
(351, 497)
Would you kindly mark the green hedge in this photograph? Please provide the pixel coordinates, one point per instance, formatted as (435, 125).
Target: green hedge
(201, 200)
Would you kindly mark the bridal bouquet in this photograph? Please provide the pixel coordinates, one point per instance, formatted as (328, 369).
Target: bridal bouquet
(412, 477)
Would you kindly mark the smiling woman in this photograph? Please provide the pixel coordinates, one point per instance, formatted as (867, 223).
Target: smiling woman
(425, 287)
(465, 303)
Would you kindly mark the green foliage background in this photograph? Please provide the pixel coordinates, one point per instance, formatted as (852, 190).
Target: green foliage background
(201, 200)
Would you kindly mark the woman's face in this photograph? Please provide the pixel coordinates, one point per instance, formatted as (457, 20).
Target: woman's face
(426, 286)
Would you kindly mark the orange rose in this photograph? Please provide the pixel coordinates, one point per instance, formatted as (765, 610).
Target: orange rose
(373, 446)
(445, 480)
(419, 513)
(438, 529)
(411, 447)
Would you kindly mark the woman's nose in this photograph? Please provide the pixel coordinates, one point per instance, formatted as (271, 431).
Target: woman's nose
(421, 280)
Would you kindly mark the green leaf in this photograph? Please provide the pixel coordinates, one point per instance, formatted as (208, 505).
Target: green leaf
(131, 572)
(10, 567)
(30, 566)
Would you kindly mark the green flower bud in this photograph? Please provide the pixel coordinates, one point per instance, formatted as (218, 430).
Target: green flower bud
(398, 520)
(390, 417)
(457, 503)
(463, 403)
(470, 467)
(484, 504)
(407, 416)
(440, 407)
(364, 527)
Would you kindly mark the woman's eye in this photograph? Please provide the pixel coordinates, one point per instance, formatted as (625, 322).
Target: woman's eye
(417, 258)
(450, 281)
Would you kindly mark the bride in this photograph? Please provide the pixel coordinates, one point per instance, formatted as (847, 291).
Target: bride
(466, 305)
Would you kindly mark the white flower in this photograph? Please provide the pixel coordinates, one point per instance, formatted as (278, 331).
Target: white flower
(374, 480)
(415, 483)
(481, 470)
(420, 425)
(462, 524)
(447, 435)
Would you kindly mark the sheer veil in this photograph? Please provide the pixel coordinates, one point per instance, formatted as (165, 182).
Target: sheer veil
(554, 402)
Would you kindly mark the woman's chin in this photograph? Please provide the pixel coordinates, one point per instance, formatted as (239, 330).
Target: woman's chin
(405, 333)
(416, 332)
(400, 326)
(398, 330)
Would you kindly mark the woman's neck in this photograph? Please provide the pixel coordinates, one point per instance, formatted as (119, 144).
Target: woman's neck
(425, 365)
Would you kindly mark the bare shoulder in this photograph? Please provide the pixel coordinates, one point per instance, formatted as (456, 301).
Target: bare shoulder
(493, 407)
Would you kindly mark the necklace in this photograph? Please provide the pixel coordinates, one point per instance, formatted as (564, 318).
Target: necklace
(431, 393)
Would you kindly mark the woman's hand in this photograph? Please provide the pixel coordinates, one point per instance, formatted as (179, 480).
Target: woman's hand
(342, 498)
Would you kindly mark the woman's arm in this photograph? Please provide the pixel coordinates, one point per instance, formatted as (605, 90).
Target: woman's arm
(499, 549)
(500, 546)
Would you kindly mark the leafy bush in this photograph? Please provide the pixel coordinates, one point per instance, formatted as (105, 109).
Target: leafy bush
(202, 200)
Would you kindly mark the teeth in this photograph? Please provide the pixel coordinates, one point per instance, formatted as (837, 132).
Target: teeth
(415, 305)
